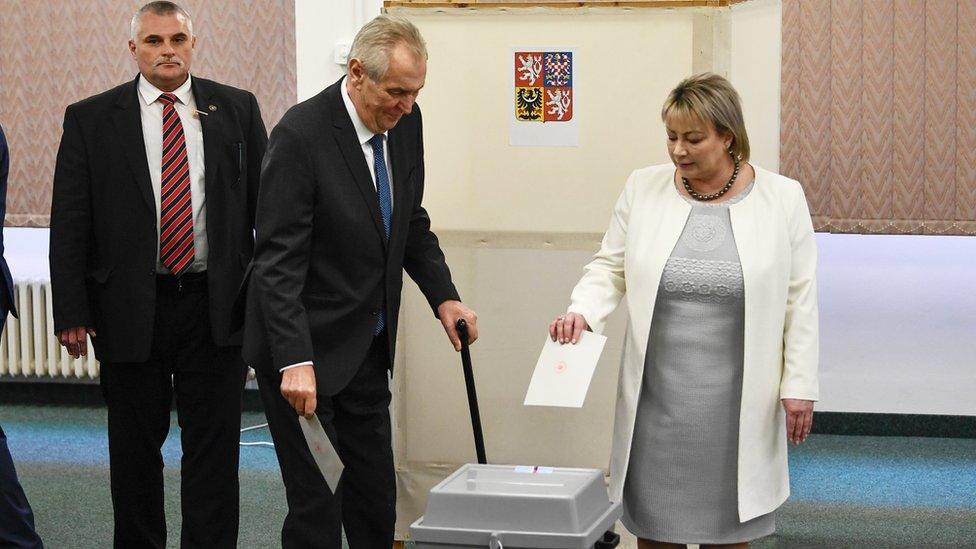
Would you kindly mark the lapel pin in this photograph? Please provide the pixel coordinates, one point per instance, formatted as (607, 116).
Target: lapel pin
(212, 108)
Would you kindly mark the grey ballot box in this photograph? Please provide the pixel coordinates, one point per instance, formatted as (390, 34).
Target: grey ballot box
(518, 507)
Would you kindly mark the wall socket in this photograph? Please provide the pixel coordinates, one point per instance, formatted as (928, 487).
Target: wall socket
(342, 52)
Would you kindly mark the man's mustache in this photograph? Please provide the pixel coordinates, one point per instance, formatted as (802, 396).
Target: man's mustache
(163, 60)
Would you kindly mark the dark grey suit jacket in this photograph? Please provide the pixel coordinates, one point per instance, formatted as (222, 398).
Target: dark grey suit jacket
(103, 215)
(323, 267)
(7, 292)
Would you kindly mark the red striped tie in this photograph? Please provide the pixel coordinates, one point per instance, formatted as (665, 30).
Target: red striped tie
(175, 208)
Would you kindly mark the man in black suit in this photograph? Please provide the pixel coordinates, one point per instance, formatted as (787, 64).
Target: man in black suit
(16, 517)
(151, 230)
(333, 239)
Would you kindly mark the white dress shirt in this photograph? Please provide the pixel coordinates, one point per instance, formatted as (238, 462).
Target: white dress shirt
(152, 134)
(364, 134)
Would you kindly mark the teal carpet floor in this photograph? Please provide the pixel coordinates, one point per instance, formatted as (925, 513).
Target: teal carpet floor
(848, 491)
(61, 455)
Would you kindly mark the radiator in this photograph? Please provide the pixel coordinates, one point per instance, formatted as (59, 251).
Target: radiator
(28, 346)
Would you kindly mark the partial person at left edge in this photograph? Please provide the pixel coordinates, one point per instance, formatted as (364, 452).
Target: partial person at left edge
(151, 229)
(16, 517)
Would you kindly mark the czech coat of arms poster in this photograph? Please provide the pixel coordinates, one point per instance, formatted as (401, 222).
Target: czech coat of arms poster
(544, 98)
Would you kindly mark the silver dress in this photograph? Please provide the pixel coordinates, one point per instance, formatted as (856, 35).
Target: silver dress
(681, 484)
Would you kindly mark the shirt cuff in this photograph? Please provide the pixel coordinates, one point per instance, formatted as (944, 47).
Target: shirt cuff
(296, 365)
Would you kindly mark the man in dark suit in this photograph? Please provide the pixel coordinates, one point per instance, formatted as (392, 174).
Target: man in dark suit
(339, 220)
(151, 230)
(16, 518)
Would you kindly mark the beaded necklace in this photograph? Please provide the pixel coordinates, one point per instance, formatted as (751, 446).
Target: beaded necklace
(707, 197)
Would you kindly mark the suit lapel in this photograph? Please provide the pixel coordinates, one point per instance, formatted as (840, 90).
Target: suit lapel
(352, 152)
(210, 125)
(128, 123)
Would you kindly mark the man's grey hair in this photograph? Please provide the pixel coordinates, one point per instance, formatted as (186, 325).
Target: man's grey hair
(160, 7)
(377, 38)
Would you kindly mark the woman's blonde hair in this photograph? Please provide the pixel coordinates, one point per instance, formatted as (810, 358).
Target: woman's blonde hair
(712, 99)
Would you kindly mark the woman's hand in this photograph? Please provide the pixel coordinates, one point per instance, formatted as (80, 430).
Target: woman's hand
(567, 328)
(799, 419)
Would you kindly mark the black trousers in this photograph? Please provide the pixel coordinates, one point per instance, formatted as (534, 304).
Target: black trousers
(16, 518)
(208, 383)
(357, 420)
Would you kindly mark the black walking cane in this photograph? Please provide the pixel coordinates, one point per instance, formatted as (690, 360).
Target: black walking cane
(479, 437)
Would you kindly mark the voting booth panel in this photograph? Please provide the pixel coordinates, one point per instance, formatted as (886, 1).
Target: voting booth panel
(433, 430)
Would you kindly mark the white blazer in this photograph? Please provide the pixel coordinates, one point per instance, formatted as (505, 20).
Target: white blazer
(774, 236)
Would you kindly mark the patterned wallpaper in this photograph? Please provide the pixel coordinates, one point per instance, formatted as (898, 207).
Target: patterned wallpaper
(878, 116)
(53, 53)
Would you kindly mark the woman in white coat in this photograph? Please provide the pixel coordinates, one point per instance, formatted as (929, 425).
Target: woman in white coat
(717, 260)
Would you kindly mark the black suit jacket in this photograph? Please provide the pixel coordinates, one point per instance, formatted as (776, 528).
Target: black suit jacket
(103, 215)
(7, 291)
(323, 267)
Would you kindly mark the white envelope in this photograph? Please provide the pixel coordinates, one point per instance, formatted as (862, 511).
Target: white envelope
(322, 450)
(564, 371)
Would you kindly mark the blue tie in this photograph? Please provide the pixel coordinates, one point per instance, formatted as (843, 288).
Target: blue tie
(386, 205)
